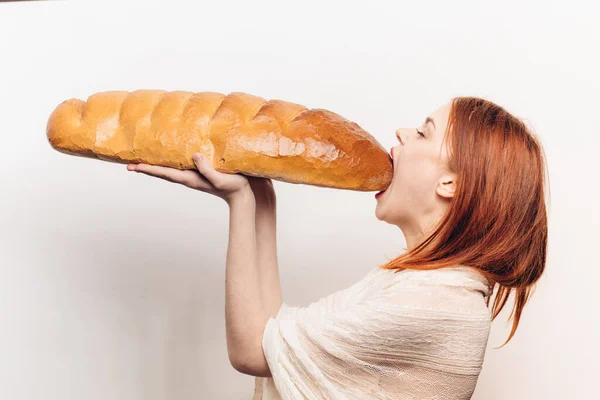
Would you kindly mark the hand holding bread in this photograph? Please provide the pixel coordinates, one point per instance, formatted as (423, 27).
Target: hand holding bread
(238, 133)
(205, 179)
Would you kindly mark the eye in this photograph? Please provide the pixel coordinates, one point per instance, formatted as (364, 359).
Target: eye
(420, 133)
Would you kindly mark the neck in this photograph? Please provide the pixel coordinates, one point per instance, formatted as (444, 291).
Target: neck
(418, 229)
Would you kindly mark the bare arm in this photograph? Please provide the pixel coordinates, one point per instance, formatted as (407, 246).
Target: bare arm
(251, 289)
(266, 243)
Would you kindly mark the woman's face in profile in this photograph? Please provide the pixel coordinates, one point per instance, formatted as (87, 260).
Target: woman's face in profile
(420, 167)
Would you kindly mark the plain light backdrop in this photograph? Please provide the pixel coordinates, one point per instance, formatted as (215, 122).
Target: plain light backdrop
(112, 282)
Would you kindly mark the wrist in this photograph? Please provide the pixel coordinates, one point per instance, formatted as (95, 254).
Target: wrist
(261, 186)
(265, 200)
(243, 195)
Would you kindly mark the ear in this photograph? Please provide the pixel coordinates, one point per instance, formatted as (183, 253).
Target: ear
(446, 186)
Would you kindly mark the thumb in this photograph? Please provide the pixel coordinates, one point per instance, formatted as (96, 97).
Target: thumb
(204, 167)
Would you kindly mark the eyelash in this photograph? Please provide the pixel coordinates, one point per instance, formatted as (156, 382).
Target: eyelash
(420, 133)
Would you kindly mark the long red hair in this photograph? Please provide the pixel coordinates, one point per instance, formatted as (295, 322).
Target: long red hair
(496, 222)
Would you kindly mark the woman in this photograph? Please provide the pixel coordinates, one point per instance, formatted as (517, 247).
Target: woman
(468, 196)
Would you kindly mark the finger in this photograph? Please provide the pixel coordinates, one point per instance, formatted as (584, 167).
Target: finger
(206, 169)
(188, 177)
(197, 181)
(158, 172)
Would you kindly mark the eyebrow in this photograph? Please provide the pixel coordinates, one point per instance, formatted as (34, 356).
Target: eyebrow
(429, 119)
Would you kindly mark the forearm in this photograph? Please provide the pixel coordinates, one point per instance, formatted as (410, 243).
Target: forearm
(245, 316)
(266, 243)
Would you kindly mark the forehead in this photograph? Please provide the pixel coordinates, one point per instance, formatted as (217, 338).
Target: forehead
(440, 116)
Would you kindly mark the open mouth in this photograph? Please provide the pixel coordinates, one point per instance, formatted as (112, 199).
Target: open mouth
(377, 195)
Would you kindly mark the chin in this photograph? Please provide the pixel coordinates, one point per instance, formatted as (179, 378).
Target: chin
(385, 214)
(379, 213)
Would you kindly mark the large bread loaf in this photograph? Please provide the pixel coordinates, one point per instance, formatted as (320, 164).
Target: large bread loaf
(238, 132)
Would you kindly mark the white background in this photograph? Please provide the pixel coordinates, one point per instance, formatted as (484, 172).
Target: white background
(112, 282)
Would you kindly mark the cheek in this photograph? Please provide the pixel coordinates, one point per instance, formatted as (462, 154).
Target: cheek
(407, 166)
(414, 174)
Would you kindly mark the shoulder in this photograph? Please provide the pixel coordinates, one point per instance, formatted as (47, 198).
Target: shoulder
(445, 307)
(458, 290)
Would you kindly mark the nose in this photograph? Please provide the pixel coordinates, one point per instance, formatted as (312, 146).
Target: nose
(399, 135)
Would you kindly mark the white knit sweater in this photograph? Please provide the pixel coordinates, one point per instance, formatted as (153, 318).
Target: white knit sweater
(406, 335)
